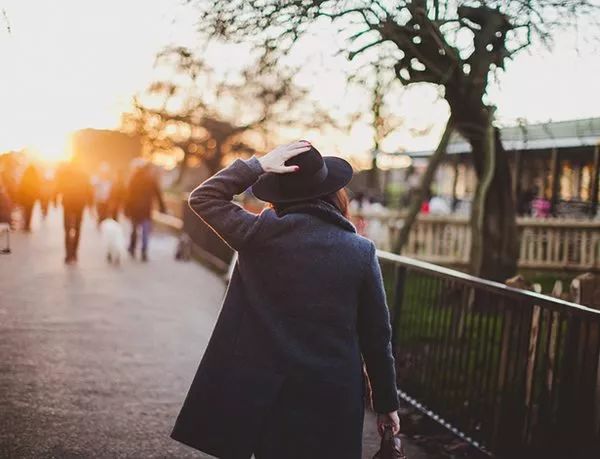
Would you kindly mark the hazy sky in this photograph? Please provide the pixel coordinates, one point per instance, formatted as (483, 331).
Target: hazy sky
(70, 64)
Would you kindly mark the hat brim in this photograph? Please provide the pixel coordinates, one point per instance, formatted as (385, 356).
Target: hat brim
(339, 174)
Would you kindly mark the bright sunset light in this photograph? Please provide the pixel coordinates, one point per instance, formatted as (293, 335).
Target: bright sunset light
(53, 148)
(53, 84)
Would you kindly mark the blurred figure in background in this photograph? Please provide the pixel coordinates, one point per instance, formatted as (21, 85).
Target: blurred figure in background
(525, 201)
(46, 191)
(541, 207)
(439, 206)
(5, 218)
(5, 204)
(30, 188)
(376, 228)
(411, 179)
(75, 187)
(8, 176)
(116, 199)
(358, 202)
(102, 188)
(143, 189)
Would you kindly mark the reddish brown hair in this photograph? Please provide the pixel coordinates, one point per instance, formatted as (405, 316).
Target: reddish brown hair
(339, 200)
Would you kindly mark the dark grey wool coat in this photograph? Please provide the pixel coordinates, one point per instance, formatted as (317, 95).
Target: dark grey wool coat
(282, 374)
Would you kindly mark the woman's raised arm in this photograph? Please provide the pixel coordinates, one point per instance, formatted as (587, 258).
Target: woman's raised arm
(212, 200)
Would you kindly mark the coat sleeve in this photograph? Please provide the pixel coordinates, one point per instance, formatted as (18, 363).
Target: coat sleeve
(375, 334)
(211, 201)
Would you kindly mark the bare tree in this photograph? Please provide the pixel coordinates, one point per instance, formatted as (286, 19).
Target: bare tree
(211, 117)
(384, 121)
(453, 44)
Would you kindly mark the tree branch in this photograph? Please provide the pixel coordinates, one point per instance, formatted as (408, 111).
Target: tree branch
(353, 54)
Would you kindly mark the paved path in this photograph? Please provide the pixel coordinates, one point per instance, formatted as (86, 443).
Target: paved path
(95, 360)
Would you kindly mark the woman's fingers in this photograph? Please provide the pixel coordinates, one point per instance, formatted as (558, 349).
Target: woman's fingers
(286, 169)
(299, 144)
(274, 161)
(296, 149)
(295, 152)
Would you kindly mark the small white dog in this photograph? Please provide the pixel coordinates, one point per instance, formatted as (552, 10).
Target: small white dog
(114, 240)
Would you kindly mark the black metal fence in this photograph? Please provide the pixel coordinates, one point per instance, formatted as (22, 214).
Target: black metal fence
(515, 373)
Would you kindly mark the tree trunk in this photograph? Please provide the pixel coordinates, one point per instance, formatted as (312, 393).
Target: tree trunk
(500, 241)
(424, 187)
(495, 250)
(488, 152)
(497, 253)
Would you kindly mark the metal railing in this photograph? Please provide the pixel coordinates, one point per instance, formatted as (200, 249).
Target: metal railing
(207, 246)
(514, 372)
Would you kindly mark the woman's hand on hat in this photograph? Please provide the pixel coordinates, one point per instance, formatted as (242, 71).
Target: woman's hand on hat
(274, 161)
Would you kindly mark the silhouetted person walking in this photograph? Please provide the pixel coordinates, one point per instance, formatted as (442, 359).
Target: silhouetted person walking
(74, 185)
(30, 189)
(46, 192)
(102, 187)
(116, 200)
(5, 205)
(143, 189)
(5, 218)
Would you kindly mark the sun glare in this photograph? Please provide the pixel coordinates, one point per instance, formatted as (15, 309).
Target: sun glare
(51, 148)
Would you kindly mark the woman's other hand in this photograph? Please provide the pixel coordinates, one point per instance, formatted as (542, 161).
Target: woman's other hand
(274, 161)
(389, 419)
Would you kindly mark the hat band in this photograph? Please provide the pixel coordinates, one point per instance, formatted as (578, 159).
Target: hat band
(321, 174)
(293, 182)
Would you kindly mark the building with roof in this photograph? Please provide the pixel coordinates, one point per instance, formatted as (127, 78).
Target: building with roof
(97, 146)
(558, 161)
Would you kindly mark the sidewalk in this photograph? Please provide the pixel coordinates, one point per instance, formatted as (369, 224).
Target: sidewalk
(95, 360)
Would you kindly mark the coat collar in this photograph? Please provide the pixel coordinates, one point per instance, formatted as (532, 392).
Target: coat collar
(322, 210)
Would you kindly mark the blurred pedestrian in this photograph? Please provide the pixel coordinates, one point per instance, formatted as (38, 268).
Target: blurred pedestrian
(9, 177)
(5, 204)
(541, 207)
(46, 191)
(74, 186)
(5, 218)
(411, 179)
(358, 202)
(377, 228)
(116, 199)
(439, 206)
(525, 201)
(142, 191)
(305, 306)
(102, 187)
(30, 188)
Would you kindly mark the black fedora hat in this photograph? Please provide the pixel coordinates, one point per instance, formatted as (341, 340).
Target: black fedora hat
(316, 177)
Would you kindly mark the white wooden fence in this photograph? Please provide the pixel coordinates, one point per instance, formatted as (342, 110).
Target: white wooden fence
(544, 243)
